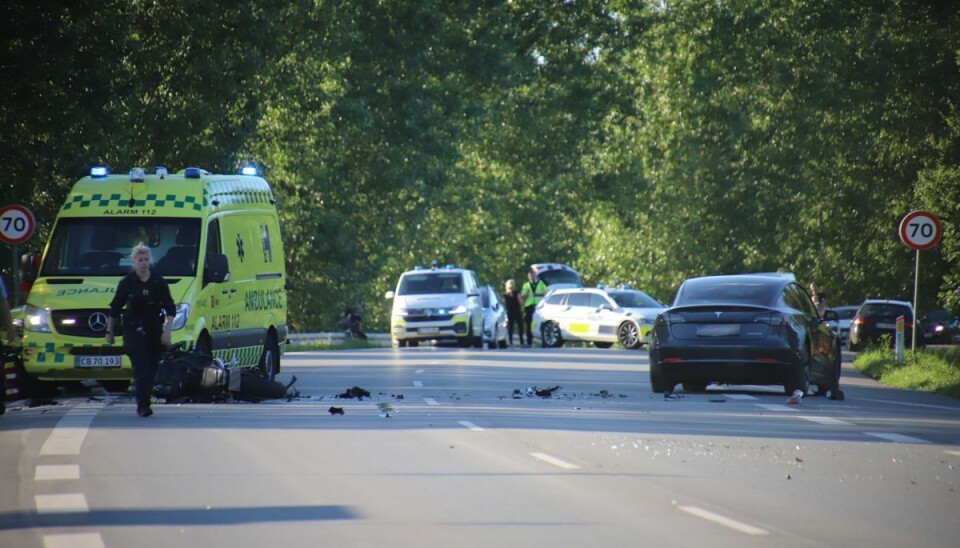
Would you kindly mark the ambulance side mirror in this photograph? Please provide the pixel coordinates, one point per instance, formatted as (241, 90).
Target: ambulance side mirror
(29, 262)
(216, 270)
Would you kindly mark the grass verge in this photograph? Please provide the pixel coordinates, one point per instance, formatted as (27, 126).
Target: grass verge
(928, 370)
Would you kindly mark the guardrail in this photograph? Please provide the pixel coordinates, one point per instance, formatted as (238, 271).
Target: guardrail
(380, 339)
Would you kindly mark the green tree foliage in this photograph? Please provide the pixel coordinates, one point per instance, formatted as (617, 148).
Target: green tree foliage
(643, 142)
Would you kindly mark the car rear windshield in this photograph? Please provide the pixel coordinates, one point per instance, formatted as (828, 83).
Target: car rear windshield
(430, 283)
(885, 310)
(634, 299)
(551, 277)
(709, 291)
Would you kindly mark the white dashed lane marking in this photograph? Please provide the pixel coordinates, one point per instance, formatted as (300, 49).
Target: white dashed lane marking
(554, 461)
(954, 453)
(46, 472)
(724, 521)
(78, 540)
(769, 407)
(430, 401)
(68, 435)
(740, 397)
(70, 502)
(418, 371)
(471, 426)
(418, 384)
(896, 438)
(825, 420)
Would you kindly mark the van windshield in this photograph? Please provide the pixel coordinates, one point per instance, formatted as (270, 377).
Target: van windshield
(431, 282)
(101, 246)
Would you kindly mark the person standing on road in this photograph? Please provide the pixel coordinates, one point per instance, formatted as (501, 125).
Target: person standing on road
(514, 311)
(142, 295)
(818, 298)
(531, 294)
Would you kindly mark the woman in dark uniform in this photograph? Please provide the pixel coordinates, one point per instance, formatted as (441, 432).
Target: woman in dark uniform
(142, 295)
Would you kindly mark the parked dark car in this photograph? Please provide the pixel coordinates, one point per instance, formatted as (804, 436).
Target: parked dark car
(938, 326)
(876, 321)
(744, 329)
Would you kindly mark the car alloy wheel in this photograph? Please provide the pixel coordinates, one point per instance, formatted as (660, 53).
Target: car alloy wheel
(628, 335)
(550, 333)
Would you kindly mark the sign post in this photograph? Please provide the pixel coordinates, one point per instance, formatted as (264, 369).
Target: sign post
(898, 339)
(17, 224)
(919, 230)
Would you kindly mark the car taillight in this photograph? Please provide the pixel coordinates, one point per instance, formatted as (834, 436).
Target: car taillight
(668, 319)
(774, 318)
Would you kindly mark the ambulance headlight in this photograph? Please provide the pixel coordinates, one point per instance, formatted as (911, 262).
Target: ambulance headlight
(37, 319)
(458, 309)
(180, 320)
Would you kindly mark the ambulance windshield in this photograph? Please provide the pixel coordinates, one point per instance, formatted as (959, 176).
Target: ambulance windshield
(101, 246)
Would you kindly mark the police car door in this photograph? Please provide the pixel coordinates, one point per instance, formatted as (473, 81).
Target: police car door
(575, 321)
(603, 319)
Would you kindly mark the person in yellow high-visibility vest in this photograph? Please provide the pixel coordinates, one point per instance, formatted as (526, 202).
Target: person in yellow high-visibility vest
(531, 294)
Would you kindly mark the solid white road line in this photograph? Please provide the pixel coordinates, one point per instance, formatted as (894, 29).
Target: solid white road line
(954, 453)
(67, 437)
(825, 420)
(78, 540)
(418, 371)
(724, 521)
(769, 407)
(471, 426)
(554, 461)
(418, 384)
(896, 438)
(71, 502)
(57, 472)
(430, 401)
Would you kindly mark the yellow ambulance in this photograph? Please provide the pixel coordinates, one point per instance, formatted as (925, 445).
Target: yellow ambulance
(214, 238)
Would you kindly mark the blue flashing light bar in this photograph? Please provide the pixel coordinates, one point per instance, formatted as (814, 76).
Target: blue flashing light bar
(98, 172)
(162, 171)
(249, 169)
(191, 173)
(137, 175)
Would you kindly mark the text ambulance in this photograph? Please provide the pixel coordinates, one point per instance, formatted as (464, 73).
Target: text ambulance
(214, 238)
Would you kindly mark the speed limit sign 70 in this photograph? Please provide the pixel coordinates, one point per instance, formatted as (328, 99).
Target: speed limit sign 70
(16, 224)
(920, 230)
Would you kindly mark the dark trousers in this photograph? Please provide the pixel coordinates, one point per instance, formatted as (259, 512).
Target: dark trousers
(142, 345)
(528, 322)
(515, 322)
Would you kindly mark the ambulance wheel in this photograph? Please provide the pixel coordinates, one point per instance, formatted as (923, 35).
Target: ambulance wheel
(203, 345)
(270, 359)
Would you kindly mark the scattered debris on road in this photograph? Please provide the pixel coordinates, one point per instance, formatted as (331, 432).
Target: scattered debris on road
(335, 410)
(355, 392)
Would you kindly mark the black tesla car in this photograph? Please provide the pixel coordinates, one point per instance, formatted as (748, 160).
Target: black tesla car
(744, 329)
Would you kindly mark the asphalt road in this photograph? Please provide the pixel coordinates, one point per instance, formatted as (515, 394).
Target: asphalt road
(444, 453)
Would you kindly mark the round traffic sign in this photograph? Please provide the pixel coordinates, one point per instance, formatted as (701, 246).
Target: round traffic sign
(16, 224)
(920, 230)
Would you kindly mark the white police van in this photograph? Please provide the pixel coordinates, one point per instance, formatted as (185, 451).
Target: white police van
(436, 304)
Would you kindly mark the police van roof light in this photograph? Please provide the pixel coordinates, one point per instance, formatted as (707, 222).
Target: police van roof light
(98, 172)
(249, 169)
(191, 173)
(137, 175)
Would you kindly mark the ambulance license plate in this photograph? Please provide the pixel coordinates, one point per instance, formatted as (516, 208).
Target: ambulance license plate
(97, 361)
(429, 329)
